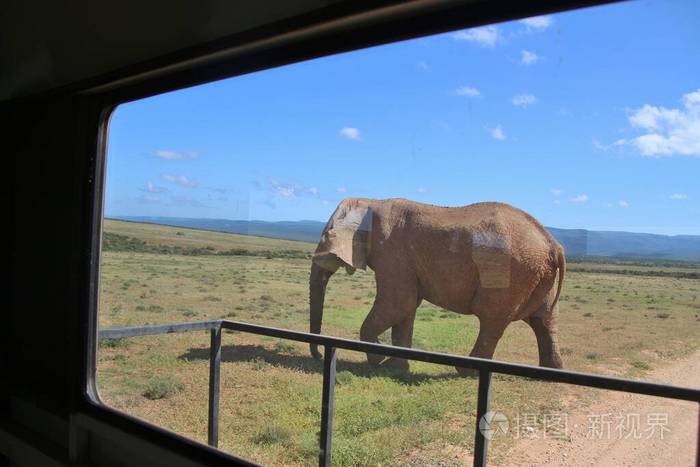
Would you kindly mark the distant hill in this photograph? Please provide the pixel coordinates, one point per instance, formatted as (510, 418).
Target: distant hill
(577, 242)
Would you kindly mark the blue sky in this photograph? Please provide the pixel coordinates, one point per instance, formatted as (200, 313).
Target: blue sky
(587, 119)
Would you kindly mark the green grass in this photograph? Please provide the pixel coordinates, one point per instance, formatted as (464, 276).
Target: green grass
(271, 388)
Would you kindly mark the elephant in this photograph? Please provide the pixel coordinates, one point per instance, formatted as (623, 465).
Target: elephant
(488, 259)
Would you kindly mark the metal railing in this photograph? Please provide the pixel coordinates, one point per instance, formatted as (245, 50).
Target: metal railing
(484, 367)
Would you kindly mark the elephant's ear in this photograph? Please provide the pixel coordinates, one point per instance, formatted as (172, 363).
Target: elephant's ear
(347, 236)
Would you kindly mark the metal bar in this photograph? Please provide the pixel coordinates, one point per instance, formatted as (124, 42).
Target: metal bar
(484, 427)
(494, 366)
(150, 330)
(326, 439)
(214, 386)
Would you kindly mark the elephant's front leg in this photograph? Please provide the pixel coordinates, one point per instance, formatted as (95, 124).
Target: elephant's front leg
(385, 315)
(376, 322)
(402, 336)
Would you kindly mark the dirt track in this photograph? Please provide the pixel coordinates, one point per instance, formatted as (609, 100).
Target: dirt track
(680, 433)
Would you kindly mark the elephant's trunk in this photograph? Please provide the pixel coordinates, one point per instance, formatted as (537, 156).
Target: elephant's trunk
(317, 292)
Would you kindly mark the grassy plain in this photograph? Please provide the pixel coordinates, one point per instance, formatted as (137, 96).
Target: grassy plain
(610, 323)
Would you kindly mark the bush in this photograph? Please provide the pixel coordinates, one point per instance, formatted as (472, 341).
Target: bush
(640, 365)
(113, 343)
(288, 347)
(344, 377)
(259, 363)
(162, 387)
(273, 434)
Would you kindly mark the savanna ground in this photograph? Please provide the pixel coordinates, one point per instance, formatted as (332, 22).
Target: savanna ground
(611, 322)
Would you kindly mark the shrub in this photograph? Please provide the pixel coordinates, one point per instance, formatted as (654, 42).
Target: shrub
(189, 313)
(344, 377)
(161, 387)
(114, 343)
(593, 356)
(663, 315)
(588, 314)
(272, 434)
(640, 365)
(282, 346)
(259, 363)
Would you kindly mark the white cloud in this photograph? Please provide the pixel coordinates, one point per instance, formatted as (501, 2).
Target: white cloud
(486, 36)
(523, 100)
(556, 191)
(598, 145)
(668, 132)
(148, 198)
(556, 201)
(350, 133)
(678, 196)
(604, 147)
(290, 190)
(151, 188)
(538, 23)
(467, 91)
(421, 190)
(579, 199)
(175, 155)
(422, 66)
(286, 191)
(497, 133)
(623, 204)
(528, 57)
(179, 180)
(341, 189)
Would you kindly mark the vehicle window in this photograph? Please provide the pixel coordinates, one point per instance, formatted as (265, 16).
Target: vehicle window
(525, 191)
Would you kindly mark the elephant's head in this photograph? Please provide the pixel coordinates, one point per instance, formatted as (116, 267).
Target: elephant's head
(345, 242)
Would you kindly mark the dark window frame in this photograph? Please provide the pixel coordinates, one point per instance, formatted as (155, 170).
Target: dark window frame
(335, 29)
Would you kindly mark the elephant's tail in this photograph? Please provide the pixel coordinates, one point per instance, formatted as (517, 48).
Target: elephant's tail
(561, 265)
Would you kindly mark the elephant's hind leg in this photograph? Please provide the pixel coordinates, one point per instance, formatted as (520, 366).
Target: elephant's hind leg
(547, 340)
(490, 332)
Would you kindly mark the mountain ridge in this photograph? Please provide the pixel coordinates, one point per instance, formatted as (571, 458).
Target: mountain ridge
(576, 242)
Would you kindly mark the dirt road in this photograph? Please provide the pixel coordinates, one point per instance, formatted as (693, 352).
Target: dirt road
(595, 442)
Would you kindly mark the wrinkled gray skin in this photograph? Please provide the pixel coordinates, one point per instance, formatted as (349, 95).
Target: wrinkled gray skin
(487, 259)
